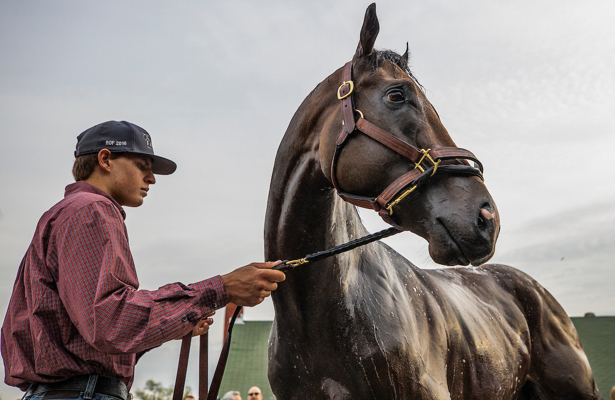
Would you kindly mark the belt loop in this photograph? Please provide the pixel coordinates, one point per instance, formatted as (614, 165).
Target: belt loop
(91, 386)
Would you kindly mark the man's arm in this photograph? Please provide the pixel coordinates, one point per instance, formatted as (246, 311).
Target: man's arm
(98, 286)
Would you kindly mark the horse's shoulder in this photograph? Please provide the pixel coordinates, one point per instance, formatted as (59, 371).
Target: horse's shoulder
(512, 284)
(537, 303)
(515, 280)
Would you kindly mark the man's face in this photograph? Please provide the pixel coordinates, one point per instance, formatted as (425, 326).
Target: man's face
(236, 397)
(255, 394)
(131, 176)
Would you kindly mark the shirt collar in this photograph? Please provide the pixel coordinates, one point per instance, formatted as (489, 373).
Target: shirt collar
(81, 186)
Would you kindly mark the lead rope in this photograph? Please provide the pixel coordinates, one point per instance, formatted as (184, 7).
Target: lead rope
(182, 368)
(283, 266)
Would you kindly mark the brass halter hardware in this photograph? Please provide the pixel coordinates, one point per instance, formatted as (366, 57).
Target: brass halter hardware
(417, 165)
(428, 157)
(296, 263)
(342, 97)
(400, 198)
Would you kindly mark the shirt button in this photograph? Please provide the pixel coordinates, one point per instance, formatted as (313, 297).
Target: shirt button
(215, 305)
(184, 319)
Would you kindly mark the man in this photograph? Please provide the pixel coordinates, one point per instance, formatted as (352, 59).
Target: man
(232, 395)
(76, 323)
(255, 393)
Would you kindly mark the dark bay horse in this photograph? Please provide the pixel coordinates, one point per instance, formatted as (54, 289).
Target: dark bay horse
(368, 324)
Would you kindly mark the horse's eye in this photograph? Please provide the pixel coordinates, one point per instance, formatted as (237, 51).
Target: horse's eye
(396, 96)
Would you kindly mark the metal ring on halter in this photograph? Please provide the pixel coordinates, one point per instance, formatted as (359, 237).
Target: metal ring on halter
(360, 113)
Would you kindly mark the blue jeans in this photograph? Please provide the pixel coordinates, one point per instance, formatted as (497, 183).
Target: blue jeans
(87, 394)
(95, 396)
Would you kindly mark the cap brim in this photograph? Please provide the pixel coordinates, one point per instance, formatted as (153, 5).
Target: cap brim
(162, 166)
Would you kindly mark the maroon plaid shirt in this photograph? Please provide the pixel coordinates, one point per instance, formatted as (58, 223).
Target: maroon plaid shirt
(75, 307)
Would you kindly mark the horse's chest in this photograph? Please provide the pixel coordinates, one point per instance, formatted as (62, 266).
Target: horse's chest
(373, 347)
(426, 362)
(419, 352)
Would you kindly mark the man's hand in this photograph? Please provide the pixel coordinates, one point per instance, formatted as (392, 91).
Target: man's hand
(202, 326)
(249, 285)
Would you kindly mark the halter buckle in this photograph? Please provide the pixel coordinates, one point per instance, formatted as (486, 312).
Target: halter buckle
(428, 157)
(342, 97)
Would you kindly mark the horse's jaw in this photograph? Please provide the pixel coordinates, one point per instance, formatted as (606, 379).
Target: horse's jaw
(447, 248)
(458, 218)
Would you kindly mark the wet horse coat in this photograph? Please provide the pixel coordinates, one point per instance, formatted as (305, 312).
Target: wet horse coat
(368, 324)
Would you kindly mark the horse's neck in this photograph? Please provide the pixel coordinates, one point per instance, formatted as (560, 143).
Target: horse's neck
(304, 214)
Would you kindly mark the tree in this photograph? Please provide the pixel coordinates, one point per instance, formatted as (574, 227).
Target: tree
(155, 391)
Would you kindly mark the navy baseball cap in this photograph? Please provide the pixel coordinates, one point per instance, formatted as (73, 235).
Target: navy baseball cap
(122, 137)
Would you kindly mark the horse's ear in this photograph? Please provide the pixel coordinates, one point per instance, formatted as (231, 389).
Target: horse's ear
(406, 55)
(369, 32)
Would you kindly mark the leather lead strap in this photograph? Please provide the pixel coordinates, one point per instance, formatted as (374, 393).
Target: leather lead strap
(203, 367)
(217, 379)
(182, 368)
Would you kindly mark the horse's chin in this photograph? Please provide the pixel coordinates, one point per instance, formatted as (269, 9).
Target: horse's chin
(445, 249)
(452, 254)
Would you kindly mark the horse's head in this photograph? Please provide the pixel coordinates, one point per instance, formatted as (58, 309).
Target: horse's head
(397, 128)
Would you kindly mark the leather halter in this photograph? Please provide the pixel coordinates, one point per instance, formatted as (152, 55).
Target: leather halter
(426, 162)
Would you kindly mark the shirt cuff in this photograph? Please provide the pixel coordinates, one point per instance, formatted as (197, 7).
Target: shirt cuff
(213, 294)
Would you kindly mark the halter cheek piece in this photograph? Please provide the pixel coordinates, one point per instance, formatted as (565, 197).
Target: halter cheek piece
(426, 162)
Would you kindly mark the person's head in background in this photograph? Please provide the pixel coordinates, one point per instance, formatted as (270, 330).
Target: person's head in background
(255, 393)
(232, 395)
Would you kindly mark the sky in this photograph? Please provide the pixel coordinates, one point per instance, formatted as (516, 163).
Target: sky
(525, 85)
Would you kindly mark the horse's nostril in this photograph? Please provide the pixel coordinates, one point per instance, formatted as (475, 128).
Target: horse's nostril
(485, 213)
(483, 217)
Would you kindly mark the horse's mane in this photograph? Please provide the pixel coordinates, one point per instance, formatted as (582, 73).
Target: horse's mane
(379, 56)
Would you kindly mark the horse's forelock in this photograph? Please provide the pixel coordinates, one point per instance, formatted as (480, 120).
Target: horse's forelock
(379, 56)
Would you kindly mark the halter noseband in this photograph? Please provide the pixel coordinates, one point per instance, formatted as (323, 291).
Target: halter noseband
(426, 162)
